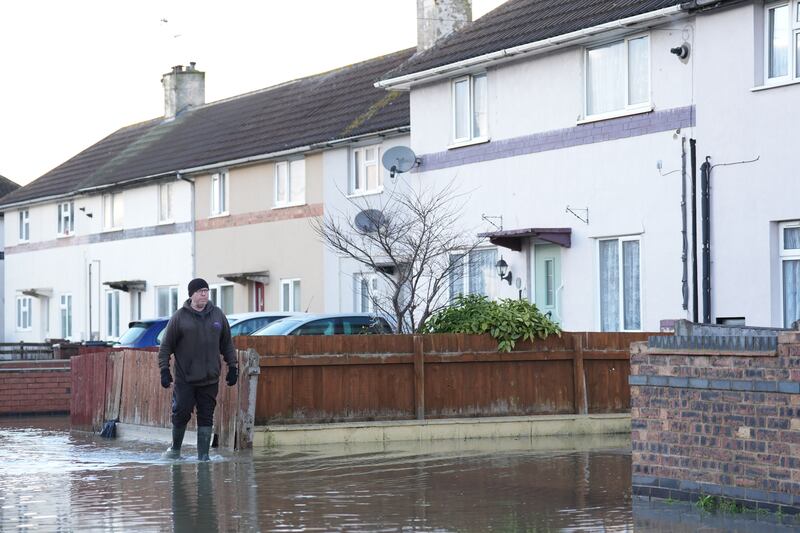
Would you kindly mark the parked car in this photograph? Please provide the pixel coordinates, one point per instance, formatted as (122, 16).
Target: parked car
(143, 333)
(332, 324)
(247, 323)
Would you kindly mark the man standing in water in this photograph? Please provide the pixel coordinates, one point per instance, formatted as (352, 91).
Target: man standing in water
(196, 334)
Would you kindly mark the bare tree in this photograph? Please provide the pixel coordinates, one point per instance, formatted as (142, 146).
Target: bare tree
(409, 237)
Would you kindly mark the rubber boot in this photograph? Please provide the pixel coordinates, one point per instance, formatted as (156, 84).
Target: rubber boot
(203, 442)
(174, 451)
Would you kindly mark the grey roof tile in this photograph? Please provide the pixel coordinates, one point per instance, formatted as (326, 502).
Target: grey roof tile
(325, 107)
(7, 186)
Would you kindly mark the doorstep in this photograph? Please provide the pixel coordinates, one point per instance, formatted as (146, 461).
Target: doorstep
(440, 429)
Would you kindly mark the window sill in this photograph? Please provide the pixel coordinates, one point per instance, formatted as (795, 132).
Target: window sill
(470, 142)
(284, 206)
(64, 235)
(616, 114)
(220, 215)
(110, 230)
(165, 222)
(775, 85)
(365, 193)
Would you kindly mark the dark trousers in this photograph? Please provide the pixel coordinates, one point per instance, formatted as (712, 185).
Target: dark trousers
(186, 397)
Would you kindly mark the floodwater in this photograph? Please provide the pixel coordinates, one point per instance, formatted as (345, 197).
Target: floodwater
(52, 479)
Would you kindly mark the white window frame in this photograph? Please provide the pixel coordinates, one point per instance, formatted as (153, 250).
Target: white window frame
(24, 310)
(113, 211)
(786, 255)
(371, 279)
(793, 60)
(291, 170)
(628, 108)
(173, 297)
(66, 218)
(358, 168)
(492, 288)
(471, 137)
(65, 316)
(291, 305)
(112, 314)
(215, 295)
(24, 225)
(621, 282)
(165, 193)
(220, 185)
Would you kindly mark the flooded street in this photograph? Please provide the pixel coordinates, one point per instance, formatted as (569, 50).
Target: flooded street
(55, 480)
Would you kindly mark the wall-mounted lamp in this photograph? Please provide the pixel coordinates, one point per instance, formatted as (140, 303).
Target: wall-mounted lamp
(681, 51)
(502, 270)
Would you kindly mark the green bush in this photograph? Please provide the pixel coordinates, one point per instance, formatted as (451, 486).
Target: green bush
(507, 321)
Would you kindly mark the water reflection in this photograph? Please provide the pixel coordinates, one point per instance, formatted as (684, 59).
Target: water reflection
(54, 480)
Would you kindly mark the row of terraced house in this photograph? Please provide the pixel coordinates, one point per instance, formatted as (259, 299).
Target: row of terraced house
(630, 161)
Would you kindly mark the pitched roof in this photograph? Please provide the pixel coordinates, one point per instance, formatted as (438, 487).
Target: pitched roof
(519, 22)
(334, 105)
(6, 186)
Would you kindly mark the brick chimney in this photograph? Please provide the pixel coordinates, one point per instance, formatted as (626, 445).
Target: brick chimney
(183, 88)
(438, 18)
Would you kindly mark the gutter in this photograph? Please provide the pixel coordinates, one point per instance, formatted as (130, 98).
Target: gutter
(528, 49)
(399, 130)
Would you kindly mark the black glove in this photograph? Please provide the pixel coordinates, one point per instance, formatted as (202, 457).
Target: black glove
(233, 376)
(166, 378)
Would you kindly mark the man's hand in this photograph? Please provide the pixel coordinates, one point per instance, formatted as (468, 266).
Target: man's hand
(166, 378)
(233, 376)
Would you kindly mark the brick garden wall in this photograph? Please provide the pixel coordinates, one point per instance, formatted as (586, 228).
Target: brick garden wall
(718, 423)
(35, 387)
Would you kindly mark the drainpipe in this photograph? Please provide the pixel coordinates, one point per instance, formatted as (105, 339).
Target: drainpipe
(190, 181)
(705, 186)
(693, 152)
(685, 250)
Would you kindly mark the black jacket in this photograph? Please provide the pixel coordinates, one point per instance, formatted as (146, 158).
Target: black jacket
(197, 338)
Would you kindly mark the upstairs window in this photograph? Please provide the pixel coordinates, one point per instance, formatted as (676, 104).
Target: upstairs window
(782, 35)
(24, 225)
(66, 218)
(470, 119)
(165, 202)
(366, 174)
(112, 211)
(219, 193)
(618, 76)
(290, 183)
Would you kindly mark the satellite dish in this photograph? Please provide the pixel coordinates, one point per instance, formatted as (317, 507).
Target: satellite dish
(399, 159)
(369, 220)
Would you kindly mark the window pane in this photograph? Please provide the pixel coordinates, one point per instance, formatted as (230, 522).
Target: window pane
(298, 180)
(482, 272)
(227, 299)
(280, 182)
(630, 279)
(286, 296)
(173, 299)
(609, 285)
(791, 238)
(549, 282)
(461, 108)
(356, 170)
(456, 276)
(372, 177)
(479, 105)
(638, 70)
(296, 296)
(778, 41)
(791, 293)
(797, 49)
(605, 77)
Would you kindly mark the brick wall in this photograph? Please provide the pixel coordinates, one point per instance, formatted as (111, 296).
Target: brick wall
(34, 387)
(725, 424)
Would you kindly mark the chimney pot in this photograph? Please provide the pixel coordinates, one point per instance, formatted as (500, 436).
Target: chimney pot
(439, 18)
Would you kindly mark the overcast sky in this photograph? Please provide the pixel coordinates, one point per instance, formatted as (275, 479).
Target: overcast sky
(72, 72)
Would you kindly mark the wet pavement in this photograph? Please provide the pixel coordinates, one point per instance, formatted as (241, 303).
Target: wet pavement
(52, 479)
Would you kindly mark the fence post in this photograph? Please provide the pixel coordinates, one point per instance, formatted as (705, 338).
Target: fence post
(419, 378)
(579, 377)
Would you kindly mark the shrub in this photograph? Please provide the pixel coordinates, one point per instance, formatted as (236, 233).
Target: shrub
(507, 321)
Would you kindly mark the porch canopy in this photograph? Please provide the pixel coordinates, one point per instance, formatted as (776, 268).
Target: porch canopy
(262, 276)
(512, 238)
(127, 285)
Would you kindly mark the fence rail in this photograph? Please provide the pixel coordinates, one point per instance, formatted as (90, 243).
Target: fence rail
(385, 377)
(25, 351)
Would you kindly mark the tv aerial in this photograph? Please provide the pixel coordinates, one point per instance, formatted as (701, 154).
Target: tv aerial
(399, 159)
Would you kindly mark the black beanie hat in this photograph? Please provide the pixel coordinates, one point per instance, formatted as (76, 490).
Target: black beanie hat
(196, 284)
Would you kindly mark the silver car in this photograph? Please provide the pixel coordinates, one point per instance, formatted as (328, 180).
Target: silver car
(331, 324)
(247, 323)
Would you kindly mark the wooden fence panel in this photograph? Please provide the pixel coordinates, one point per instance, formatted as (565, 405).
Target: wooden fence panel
(88, 390)
(607, 386)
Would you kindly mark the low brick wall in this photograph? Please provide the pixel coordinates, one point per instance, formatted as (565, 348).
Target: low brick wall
(722, 423)
(35, 387)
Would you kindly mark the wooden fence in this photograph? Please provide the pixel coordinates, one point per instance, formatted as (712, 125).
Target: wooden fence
(125, 385)
(391, 377)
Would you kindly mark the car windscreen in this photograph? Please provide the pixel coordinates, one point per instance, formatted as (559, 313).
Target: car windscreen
(133, 334)
(248, 326)
(279, 327)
